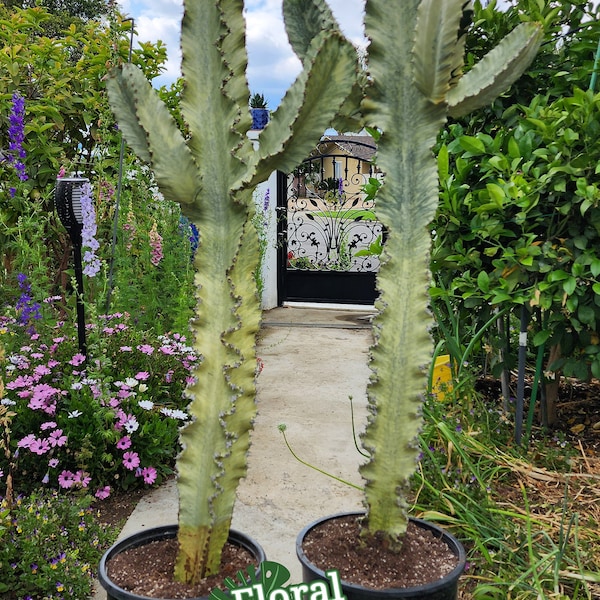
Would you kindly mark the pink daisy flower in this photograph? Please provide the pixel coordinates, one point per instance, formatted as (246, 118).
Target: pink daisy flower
(131, 460)
(124, 443)
(149, 475)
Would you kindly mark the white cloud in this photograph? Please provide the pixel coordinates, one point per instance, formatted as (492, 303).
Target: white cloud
(158, 20)
(272, 66)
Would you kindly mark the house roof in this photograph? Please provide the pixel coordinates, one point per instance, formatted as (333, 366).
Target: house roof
(358, 146)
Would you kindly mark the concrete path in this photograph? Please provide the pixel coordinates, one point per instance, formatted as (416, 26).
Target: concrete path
(314, 358)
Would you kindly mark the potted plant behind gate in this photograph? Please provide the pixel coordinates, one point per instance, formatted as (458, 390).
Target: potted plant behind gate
(416, 80)
(259, 111)
(212, 173)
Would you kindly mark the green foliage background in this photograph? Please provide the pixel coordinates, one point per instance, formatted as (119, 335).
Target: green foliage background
(518, 219)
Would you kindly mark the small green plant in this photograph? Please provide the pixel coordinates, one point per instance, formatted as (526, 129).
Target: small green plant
(50, 545)
(258, 101)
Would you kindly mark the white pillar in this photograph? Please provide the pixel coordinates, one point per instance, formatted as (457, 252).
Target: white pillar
(268, 189)
(269, 254)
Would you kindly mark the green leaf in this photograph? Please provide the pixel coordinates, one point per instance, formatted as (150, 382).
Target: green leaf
(483, 281)
(496, 71)
(595, 267)
(586, 314)
(472, 144)
(513, 148)
(558, 275)
(569, 285)
(541, 337)
(496, 194)
(443, 162)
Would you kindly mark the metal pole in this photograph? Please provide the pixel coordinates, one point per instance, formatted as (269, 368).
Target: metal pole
(595, 71)
(521, 375)
(79, 299)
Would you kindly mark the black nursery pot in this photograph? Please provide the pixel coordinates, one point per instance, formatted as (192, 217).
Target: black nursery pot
(443, 589)
(114, 592)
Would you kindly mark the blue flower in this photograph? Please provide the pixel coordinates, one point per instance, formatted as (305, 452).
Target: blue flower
(28, 308)
(16, 136)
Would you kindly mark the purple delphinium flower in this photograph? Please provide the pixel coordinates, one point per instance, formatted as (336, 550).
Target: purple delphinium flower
(29, 309)
(88, 233)
(16, 136)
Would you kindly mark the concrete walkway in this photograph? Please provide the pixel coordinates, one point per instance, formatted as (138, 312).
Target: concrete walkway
(314, 358)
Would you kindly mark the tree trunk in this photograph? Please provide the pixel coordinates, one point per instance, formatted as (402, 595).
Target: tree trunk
(551, 383)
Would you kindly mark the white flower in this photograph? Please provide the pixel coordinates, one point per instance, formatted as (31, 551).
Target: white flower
(146, 404)
(174, 413)
(131, 382)
(142, 387)
(77, 385)
(74, 414)
(131, 425)
(7, 402)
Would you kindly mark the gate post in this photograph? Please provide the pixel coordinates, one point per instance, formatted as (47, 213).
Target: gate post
(268, 266)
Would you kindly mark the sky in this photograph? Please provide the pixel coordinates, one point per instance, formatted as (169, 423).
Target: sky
(272, 65)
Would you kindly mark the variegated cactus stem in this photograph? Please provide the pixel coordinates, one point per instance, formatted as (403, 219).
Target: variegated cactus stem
(212, 173)
(415, 63)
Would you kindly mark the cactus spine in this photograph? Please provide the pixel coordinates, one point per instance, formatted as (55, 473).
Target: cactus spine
(415, 66)
(212, 175)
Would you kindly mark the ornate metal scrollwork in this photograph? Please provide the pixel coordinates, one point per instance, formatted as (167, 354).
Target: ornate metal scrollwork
(330, 225)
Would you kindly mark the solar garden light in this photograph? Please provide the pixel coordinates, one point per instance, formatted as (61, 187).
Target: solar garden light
(67, 198)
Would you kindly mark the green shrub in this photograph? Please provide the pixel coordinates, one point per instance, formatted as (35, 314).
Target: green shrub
(49, 546)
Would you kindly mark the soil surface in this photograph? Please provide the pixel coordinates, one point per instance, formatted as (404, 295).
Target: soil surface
(578, 410)
(115, 510)
(148, 570)
(336, 544)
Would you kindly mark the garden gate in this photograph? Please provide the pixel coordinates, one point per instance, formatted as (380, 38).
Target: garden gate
(329, 238)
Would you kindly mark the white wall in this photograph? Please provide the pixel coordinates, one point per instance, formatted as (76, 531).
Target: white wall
(269, 263)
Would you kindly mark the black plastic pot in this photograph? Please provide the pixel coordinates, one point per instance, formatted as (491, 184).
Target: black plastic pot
(443, 589)
(114, 592)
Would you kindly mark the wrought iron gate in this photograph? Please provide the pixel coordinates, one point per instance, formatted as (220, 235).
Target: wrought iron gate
(330, 239)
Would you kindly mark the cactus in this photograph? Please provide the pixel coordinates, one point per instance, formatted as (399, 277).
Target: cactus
(212, 174)
(416, 81)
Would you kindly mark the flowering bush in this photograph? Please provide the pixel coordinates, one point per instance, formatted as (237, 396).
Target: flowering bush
(153, 274)
(107, 420)
(49, 546)
(89, 242)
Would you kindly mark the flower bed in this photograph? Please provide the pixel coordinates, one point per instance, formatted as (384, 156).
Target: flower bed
(107, 421)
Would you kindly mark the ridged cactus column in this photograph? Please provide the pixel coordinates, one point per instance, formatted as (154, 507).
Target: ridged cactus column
(212, 173)
(415, 66)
